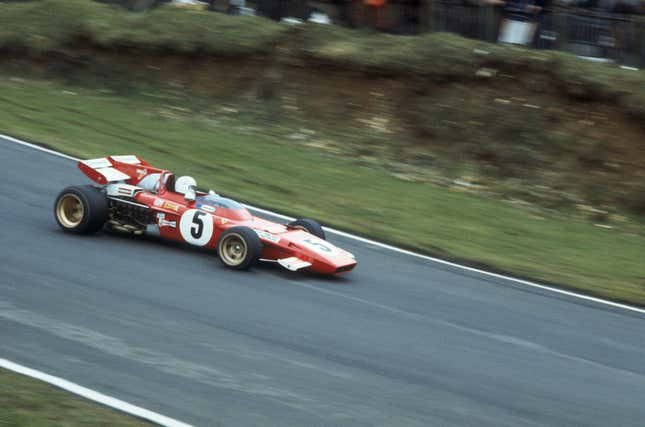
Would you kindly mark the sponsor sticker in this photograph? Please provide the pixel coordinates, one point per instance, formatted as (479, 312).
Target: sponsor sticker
(141, 173)
(223, 221)
(158, 202)
(171, 206)
(163, 222)
(207, 208)
(267, 236)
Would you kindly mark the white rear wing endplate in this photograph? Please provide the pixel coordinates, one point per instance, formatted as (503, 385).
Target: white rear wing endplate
(104, 167)
(129, 159)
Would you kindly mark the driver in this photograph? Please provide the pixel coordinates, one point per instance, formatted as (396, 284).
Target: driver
(184, 184)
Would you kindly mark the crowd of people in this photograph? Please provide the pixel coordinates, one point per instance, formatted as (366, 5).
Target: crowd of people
(610, 29)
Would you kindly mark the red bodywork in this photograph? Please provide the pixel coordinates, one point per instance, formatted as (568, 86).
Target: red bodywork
(200, 222)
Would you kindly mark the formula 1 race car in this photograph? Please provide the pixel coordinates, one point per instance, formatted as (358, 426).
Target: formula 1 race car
(135, 197)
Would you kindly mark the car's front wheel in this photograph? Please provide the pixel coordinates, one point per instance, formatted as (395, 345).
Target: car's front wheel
(308, 225)
(239, 248)
(81, 209)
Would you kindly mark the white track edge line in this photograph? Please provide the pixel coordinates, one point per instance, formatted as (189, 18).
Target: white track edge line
(399, 250)
(92, 395)
(460, 266)
(37, 147)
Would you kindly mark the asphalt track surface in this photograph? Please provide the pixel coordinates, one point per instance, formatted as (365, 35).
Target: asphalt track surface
(398, 342)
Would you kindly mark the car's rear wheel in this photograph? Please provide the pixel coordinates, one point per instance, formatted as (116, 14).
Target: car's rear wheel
(308, 225)
(239, 248)
(81, 209)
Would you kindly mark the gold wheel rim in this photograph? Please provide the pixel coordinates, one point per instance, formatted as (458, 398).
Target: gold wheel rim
(233, 249)
(69, 210)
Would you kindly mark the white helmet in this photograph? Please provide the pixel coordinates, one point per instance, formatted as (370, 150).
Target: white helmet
(184, 184)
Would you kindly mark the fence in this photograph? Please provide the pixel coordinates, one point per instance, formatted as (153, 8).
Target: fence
(620, 38)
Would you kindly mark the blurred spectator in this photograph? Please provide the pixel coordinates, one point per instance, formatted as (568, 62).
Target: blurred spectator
(375, 13)
(520, 21)
(407, 17)
(625, 31)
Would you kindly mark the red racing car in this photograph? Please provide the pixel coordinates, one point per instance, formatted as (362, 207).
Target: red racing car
(135, 197)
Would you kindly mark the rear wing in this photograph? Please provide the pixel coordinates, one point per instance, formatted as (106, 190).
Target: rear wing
(128, 168)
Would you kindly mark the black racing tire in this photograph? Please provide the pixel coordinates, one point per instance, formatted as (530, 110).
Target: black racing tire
(239, 248)
(310, 226)
(81, 209)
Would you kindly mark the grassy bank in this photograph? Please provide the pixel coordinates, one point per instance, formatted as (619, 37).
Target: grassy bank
(223, 150)
(444, 58)
(63, 25)
(28, 402)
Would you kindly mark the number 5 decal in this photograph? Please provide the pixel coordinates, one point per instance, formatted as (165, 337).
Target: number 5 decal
(319, 247)
(196, 227)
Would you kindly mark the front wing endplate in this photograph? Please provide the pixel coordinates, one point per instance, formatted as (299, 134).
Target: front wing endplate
(293, 263)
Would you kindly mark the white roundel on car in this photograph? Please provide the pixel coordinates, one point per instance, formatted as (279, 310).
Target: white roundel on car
(320, 246)
(196, 227)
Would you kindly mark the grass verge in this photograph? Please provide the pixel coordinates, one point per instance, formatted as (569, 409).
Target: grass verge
(61, 25)
(221, 149)
(28, 402)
